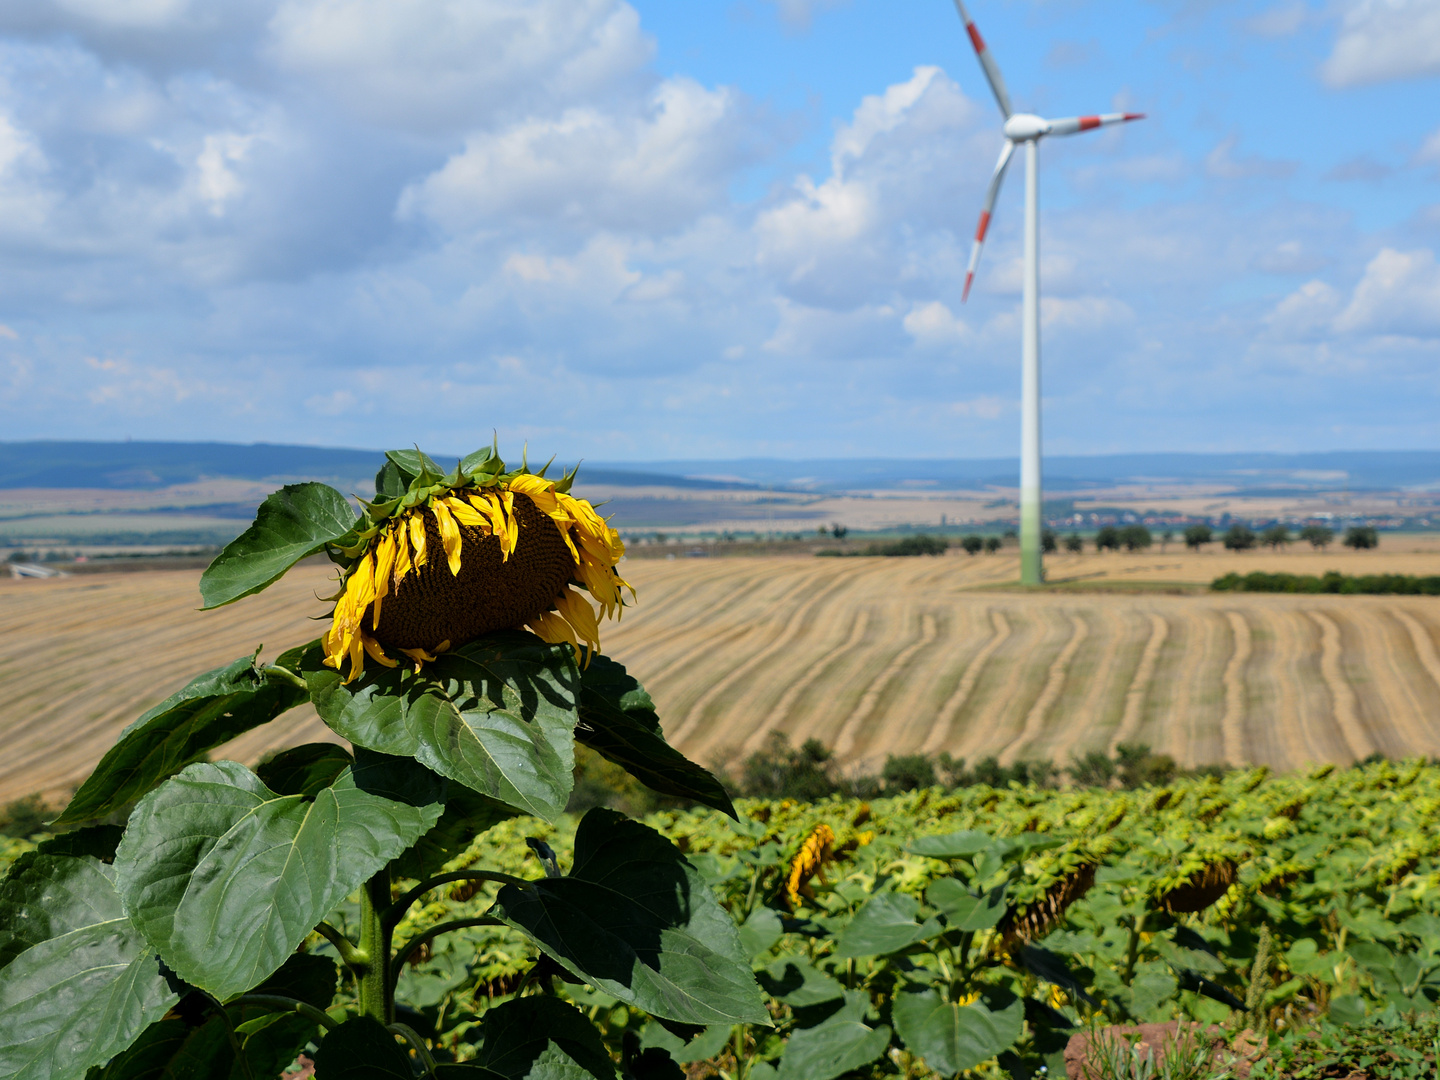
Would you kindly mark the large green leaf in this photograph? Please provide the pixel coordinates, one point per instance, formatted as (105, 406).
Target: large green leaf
(196, 1044)
(618, 721)
(963, 909)
(80, 984)
(225, 878)
(497, 715)
(954, 1037)
(175, 1050)
(466, 816)
(541, 1038)
(956, 845)
(305, 769)
(886, 924)
(210, 711)
(798, 983)
(841, 1043)
(361, 1049)
(292, 524)
(638, 921)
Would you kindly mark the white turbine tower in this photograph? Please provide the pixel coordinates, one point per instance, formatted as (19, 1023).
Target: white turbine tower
(1029, 129)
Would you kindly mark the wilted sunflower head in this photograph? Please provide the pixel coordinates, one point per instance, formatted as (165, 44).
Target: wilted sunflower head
(444, 558)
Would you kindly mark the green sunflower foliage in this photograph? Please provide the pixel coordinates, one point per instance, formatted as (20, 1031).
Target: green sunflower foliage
(193, 916)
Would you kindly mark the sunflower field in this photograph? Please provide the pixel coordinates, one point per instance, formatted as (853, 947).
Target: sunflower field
(972, 933)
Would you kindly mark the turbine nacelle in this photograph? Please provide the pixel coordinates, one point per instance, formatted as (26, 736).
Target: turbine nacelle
(1022, 127)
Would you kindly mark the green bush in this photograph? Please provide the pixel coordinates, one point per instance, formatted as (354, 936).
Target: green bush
(1135, 537)
(916, 545)
(1361, 538)
(908, 772)
(1275, 537)
(26, 817)
(1239, 538)
(1330, 582)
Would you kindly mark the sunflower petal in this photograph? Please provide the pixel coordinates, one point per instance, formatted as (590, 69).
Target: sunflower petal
(466, 514)
(449, 534)
(548, 626)
(576, 611)
(417, 539)
(402, 552)
(511, 535)
(375, 652)
(540, 491)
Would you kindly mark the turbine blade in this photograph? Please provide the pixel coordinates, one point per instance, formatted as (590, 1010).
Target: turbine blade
(1072, 125)
(987, 62)
(984, 226)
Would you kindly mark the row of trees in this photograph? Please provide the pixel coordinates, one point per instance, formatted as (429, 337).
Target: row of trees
(1242, 538)
(809, 772)
(1235, 538)
(1138, 538)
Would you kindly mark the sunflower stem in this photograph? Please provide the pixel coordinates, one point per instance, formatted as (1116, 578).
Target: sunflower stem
(275, 671)
(375, 1000)
(396, 911)
(409, 948)
(281, 1003)
(350, 956)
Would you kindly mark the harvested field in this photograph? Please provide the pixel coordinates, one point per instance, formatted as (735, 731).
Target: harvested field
(874, 656)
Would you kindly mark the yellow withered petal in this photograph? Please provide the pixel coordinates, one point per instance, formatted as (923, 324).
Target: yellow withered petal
(417, 539)
(540, 491)
(449, 534)
(384, 567)
(466, 514)
(548, 626)
(512, 526)
(402, 552)
(488, 508)
(356, 654)
(373, 650)
(576, 611)
(419, 656)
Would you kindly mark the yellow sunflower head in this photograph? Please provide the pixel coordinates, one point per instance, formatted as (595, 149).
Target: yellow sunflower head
(443, 559)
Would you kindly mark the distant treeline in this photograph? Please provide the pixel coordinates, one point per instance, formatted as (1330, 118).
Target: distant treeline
(910, 545)
(1331, 582)
(805, 773)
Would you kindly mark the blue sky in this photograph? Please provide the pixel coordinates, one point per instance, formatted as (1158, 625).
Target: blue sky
(715, 229)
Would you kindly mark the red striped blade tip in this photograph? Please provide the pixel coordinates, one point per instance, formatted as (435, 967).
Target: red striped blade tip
(1133, 116)
(965, 295)
(975, 38)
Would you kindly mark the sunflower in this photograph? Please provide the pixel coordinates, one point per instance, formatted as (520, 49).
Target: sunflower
(479, 549)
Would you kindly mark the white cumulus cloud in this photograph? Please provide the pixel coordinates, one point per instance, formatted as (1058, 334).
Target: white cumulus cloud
(651, 170)
(1399, 294)
(442, 65)
(1381, 40)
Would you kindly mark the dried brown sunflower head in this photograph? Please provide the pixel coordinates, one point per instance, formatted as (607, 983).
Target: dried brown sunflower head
(468, 553)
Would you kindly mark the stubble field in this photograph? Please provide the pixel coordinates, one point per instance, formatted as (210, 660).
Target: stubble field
(873, 656)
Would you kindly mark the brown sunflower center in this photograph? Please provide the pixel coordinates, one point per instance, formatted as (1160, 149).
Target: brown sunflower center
(431, 606)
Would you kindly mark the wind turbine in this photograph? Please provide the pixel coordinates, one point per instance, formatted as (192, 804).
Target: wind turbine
(1029, 129)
